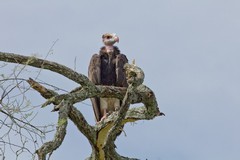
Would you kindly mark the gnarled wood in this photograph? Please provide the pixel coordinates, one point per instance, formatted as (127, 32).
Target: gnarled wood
(102, 135)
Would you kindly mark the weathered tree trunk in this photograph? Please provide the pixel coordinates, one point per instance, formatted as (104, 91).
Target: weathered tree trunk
(103, 135)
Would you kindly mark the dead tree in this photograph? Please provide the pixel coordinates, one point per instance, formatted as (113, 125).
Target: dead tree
(102, 135)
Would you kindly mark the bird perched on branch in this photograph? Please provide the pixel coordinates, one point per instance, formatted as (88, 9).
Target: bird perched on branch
(106, 68)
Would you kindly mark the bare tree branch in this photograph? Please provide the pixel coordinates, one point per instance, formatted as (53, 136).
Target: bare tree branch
(74, 114)
(45, 64)
(102, 135)
(49, 147)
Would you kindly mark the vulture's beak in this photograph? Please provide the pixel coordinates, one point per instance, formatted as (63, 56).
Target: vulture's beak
(117, 39)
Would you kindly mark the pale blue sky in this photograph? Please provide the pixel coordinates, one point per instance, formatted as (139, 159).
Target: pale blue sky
(188, 49)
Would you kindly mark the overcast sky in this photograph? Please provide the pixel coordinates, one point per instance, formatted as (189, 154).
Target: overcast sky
(188, 49)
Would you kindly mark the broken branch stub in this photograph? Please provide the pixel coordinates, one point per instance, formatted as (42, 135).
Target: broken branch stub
(134, 74)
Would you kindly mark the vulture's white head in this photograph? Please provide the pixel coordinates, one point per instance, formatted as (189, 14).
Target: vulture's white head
(109, 39)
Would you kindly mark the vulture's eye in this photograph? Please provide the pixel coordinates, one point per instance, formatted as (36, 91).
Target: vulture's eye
(108, 37)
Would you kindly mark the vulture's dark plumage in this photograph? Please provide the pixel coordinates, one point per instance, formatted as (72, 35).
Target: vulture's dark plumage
(106, 68)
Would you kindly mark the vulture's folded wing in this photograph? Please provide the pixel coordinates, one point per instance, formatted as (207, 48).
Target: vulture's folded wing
(94, 75)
